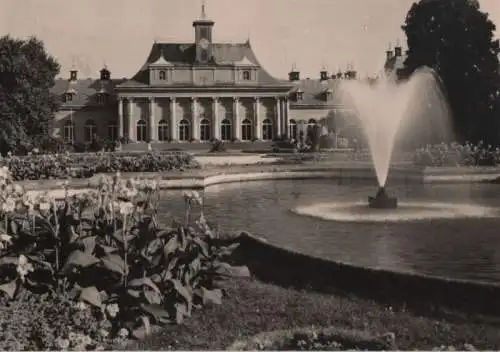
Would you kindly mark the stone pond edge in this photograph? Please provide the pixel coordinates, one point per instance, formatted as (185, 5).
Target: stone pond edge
(268, 261)
(205, 178)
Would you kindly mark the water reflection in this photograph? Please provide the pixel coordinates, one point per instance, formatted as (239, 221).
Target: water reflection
(461, 248)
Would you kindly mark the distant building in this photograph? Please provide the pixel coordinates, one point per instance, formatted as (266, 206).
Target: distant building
(317, 101)
(197, 91)
(394, 62)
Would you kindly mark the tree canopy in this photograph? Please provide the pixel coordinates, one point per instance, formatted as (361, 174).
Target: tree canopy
(455, 38)
(27, 106)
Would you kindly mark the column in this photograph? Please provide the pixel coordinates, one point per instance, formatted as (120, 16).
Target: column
(278, 118)
(215, 118)
(236, 119)
(120, 118)
(172, 124)
(256, 123)
(195, 129)
(152, 135)
(287, 116)
(131, 120)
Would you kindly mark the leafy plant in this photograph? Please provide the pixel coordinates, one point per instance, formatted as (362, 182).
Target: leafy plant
(106, 248)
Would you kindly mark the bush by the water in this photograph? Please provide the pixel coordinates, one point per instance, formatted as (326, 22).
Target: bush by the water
(97, 268)
(62, 166)
(455, 154)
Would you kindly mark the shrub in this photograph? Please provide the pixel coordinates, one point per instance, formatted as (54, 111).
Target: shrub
(218, 146)
(105, 251)
(62, 166)
(455, 154)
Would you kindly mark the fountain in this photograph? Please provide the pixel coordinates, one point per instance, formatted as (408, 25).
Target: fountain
(385, 108)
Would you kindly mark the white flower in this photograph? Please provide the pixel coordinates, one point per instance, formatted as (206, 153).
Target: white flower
(23, 266)
(5, 238)
(61, 343)
(104, 333)
(112, 309)
(44, 206)
(9, 205)
(123, 333)
(81, 305)
(126, 208)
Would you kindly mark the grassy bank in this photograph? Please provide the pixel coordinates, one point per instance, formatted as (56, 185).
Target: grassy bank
(253, 306)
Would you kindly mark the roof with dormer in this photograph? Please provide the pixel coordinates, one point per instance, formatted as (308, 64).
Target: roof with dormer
(313, 94)
(184, 54)
(84, 91)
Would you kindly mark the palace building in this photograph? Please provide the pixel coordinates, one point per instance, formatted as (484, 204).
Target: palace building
(195, 92)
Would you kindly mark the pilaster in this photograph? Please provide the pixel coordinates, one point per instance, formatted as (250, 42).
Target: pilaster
(172, 124)
(195, 128)
(215, 118)
(131, 120)
(256, 123)
(236, 119)
(120, 118)
(277, 131)
(152, 134)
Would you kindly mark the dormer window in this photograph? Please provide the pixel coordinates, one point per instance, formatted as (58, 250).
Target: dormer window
(68, 95)
(328, 94)
(246, 75)
(102, 98)
(163, 75)
(299, 95)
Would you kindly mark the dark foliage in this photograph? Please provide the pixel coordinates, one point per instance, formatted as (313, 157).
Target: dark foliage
(455, 39)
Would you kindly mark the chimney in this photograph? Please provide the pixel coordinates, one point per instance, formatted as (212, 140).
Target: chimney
(105, 74)
(73, 75)
(323, 75)
(294, 75)
(398, 51)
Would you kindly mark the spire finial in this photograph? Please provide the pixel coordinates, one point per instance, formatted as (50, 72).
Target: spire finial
(398, 42)
(203, 13)
(389, 48)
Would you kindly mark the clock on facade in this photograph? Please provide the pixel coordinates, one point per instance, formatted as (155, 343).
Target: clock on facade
(204, 43)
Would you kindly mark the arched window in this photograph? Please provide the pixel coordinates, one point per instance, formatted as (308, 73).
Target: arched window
(142, 131)
(184, 134)
(163, 75)
(204, 130)
(246, 75)
(162, 131)
(112, 131)
(226, 130)
(292, 129)
(267, 130)
(69, 132)
(89, 131)
(246, 130)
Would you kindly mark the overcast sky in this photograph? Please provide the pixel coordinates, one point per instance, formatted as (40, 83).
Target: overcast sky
(307, 33)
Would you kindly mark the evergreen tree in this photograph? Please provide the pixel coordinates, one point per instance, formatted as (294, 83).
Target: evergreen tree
(27, 106)
(455, 38)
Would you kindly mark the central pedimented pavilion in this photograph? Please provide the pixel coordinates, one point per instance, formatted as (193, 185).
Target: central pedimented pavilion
(201, 91)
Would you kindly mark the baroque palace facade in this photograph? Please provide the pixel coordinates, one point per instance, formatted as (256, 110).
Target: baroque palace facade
(195, 92)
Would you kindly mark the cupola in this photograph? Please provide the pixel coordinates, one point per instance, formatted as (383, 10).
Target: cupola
(294, 74)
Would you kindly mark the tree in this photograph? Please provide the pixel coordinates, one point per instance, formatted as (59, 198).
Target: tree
(455, 39)
(27, 106)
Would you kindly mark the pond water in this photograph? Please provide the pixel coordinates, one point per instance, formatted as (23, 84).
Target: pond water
(443, 230)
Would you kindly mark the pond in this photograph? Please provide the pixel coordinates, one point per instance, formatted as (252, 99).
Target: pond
(432, 237)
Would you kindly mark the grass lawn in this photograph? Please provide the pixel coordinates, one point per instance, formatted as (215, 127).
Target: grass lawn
(254, 306)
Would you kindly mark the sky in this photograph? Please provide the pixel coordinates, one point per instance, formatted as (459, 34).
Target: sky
(310, 34)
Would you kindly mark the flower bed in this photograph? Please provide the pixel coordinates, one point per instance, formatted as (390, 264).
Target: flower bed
(316, 339)
(457, 155)
(63, 166)
(97, 269)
